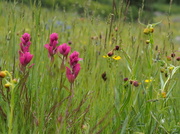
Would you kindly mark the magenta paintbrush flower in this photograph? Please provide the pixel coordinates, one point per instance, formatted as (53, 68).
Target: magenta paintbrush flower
(25, 42)
(74, 58)
(72, 74)
(52, 46)
(64, 49)
(25, 58)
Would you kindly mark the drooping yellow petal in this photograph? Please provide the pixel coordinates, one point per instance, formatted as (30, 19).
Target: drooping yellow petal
(116, 57)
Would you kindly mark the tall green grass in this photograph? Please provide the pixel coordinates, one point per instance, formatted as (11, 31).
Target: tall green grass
(98, 106)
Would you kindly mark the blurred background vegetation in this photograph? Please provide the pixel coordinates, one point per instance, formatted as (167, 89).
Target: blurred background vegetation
(103, 8)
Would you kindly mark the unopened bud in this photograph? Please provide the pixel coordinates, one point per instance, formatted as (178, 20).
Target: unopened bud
(15, 81)
(2, 74)
(7, 85)
(147, 41)
(146, 31)
(151, 29)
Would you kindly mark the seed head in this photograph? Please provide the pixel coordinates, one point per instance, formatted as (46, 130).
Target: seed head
(173, 55)
(135, 83)
(110, 53)
(178, 58)
(104, 77)
(125, 79)
(116, 48)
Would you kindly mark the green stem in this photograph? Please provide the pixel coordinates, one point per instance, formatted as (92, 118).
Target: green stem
(10, 122)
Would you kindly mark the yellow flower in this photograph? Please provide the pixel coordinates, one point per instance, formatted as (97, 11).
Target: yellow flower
(147, 81)
(105, 56)
(116, 57)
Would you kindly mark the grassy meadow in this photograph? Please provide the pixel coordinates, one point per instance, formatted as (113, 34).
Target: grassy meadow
(128, 83)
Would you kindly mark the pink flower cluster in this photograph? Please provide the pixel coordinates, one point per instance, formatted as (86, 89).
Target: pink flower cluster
(73, 71)
(64, 49)
(24, 55)
(52, 46)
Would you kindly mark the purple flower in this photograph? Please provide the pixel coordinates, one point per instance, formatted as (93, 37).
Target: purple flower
(25, 42)
(72, 74)
(74, 58)
(64, 49)
(25, 58)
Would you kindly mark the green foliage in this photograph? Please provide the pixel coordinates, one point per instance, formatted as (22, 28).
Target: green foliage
(40, 103)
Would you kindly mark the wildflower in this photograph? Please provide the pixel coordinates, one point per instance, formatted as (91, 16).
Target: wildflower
(147, 81)
(25, 58)
(25, 42)
(74, 58)
(72, 74)
(173, 55)
(64, 49)
(125, 79)
(164, 94)
(2, 74)
(52, 46)
(53, 39)
(116, 57)
(105, 56)
(178, 58)
(25, 38)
